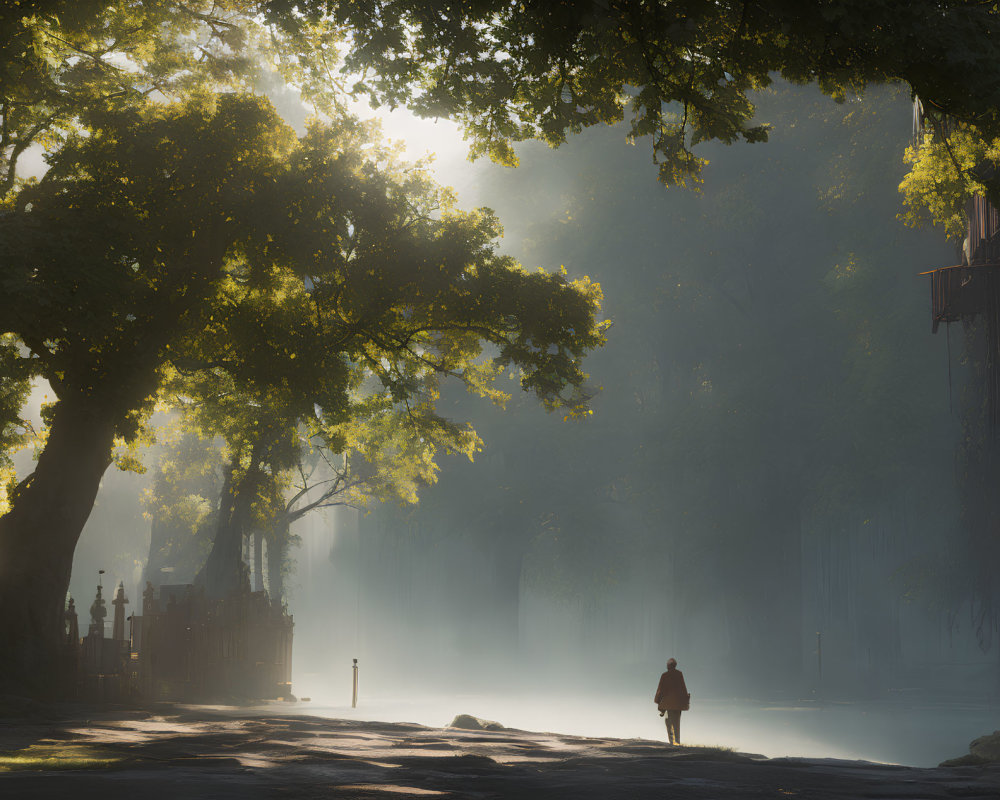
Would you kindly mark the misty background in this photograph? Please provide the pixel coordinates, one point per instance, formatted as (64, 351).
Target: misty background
(771, 457)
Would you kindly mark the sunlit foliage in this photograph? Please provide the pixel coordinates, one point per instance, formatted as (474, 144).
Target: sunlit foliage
(14, 431)
(682, 70)
(946, 169)
(61, 60)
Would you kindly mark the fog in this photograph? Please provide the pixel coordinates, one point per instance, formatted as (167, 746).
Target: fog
(770, 467)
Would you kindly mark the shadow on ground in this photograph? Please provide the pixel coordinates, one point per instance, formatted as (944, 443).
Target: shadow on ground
(199, 752)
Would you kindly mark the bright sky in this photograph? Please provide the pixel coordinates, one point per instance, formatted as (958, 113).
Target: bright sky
(441, 138)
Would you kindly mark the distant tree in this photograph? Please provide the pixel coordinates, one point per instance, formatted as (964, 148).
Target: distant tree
(178, 222)
(281, 463)
(182, 506)
(274, 474)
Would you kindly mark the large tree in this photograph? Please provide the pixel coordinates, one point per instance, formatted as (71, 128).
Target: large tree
(179, 222)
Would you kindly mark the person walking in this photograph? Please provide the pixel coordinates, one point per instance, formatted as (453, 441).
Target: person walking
(672, 697)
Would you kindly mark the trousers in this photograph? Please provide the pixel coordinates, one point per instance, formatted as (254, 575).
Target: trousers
(673, 721)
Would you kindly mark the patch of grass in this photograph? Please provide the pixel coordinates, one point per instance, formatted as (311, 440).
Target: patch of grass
(718, 751)
(709, 748)
(55, 756)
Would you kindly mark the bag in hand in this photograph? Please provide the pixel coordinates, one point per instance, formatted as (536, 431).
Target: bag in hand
(687, 703)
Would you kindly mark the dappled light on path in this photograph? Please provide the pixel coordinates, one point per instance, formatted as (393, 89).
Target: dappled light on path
(246, 753)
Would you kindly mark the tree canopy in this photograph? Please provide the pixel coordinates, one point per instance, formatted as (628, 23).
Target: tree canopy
(683, 70)
(186, 230)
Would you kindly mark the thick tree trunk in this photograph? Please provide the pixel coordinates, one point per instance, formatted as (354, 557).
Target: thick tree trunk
(38, 537)
(225, 572)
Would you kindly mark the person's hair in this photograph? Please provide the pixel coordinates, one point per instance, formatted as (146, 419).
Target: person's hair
(671, 662)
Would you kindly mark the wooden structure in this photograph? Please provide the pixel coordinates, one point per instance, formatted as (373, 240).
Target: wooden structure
(184, 647)
(99, 665)
(971, 291)
(193, 648)
(967, 290)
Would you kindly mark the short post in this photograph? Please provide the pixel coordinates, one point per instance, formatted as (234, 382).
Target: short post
(354, 697)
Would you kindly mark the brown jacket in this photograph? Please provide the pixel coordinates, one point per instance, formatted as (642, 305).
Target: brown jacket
(671, 694)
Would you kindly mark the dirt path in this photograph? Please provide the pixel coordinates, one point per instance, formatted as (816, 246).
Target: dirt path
(192, 752)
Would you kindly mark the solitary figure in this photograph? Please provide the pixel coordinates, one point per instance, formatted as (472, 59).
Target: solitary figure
(672, 697)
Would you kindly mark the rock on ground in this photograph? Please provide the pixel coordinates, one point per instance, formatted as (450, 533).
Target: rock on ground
(471, 723)
(987, 747)
(984, 750)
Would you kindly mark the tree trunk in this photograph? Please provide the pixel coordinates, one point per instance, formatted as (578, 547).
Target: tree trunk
(258, 561)
(277, 552)
(224, 571)
(38, 537)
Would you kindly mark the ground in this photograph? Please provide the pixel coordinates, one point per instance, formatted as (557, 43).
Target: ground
(215, 752)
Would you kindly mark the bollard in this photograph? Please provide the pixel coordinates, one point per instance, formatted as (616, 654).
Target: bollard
(354, 697)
